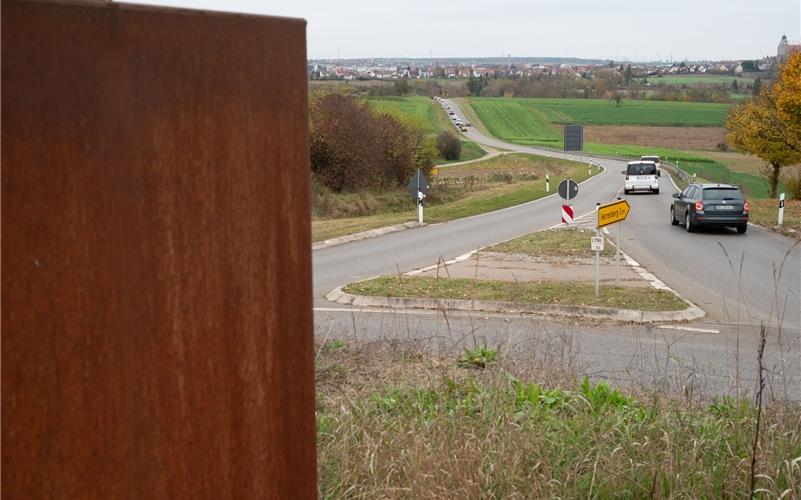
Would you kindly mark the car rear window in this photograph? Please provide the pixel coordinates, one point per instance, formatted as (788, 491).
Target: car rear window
(641, 169)
(722, 194)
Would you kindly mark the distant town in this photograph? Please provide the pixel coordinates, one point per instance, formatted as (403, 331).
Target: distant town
(517, 67)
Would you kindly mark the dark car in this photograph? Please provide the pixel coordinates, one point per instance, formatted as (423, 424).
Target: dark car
(710, 205)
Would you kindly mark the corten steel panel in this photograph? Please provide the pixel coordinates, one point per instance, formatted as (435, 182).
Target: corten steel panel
(156, 284)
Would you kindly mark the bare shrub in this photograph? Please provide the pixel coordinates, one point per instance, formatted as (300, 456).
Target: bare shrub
(449, 146)
(352, 147)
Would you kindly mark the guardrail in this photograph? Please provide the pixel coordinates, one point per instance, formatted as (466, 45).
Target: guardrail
(682, 175)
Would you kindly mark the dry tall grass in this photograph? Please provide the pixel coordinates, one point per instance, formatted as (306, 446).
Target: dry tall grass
(398, 420)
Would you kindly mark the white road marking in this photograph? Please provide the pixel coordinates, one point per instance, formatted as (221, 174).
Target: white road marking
(447, 263)
(688, 329)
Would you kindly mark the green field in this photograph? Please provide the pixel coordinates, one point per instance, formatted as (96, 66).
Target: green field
(530, 122)
(417, 110)
(493, 110)
(423, 112)
(699, 79)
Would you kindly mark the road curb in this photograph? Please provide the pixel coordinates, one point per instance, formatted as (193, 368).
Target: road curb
(692, 312)
(364, 235)
(570, 311)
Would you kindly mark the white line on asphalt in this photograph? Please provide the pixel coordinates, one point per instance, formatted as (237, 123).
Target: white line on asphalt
(460, 258)
(688, 329)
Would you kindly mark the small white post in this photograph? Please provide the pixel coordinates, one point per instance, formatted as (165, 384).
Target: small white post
(589, 169)
(547, 183)
(693, 176)
(597, 262)
(781, 209)
(420, 197)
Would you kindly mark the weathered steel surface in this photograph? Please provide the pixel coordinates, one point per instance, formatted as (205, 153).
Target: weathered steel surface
(156, 284)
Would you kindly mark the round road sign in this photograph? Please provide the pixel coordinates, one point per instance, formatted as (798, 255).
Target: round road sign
(568, 189)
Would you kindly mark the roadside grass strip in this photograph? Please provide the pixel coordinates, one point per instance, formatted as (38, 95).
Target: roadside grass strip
(395, 420)
(495, 183)
(553, 243)
(765, 213)
(548, 293)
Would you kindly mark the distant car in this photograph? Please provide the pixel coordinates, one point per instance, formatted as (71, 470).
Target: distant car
(463, 128)
(451, 113)
(654, 159)
(641, 176)
(710, 205)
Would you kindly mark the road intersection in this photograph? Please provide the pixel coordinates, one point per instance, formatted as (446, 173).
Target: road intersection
(741, 281)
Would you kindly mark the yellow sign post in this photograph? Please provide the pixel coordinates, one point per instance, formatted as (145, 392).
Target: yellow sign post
(611, 213)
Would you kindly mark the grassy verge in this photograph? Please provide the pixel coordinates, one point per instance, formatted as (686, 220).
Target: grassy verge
(553, 243)
(557, 293)
(456, 192)
(394, 420)
(765, 213)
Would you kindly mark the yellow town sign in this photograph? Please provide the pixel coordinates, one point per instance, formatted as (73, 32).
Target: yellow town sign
(611, 213)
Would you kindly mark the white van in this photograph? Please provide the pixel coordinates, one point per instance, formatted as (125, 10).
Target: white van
(641, 176)
(654, 159)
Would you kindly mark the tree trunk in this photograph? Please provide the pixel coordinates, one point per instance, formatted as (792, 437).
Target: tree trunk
(774, 179)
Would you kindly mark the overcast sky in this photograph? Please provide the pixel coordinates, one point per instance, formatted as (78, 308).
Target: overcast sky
(607, 29)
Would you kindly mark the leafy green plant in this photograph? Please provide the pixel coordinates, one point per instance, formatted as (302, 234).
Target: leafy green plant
(333, 345)
(601, 396)
(478, 357)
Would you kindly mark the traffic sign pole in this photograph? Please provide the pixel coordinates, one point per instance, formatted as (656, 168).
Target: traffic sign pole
(567, 189)
(597, 263)
(617, 256)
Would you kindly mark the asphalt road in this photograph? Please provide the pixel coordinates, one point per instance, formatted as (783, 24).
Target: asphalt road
(732, 277)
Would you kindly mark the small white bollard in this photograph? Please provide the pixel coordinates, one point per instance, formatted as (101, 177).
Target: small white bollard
(547, 183)
(589, 169)
(420, 197)
(781, 209)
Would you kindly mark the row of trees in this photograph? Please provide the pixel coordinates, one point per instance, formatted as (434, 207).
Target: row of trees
(604, 84)
(353, 147)
(769, 126)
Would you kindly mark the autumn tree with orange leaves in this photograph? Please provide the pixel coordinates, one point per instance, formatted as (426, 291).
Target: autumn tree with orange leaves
(769, 126)
(788, 95)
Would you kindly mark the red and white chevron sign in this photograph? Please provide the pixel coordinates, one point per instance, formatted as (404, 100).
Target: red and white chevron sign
(567, 214)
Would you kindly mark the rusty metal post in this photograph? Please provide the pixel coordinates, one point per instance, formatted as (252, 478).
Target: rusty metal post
(156, 255)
